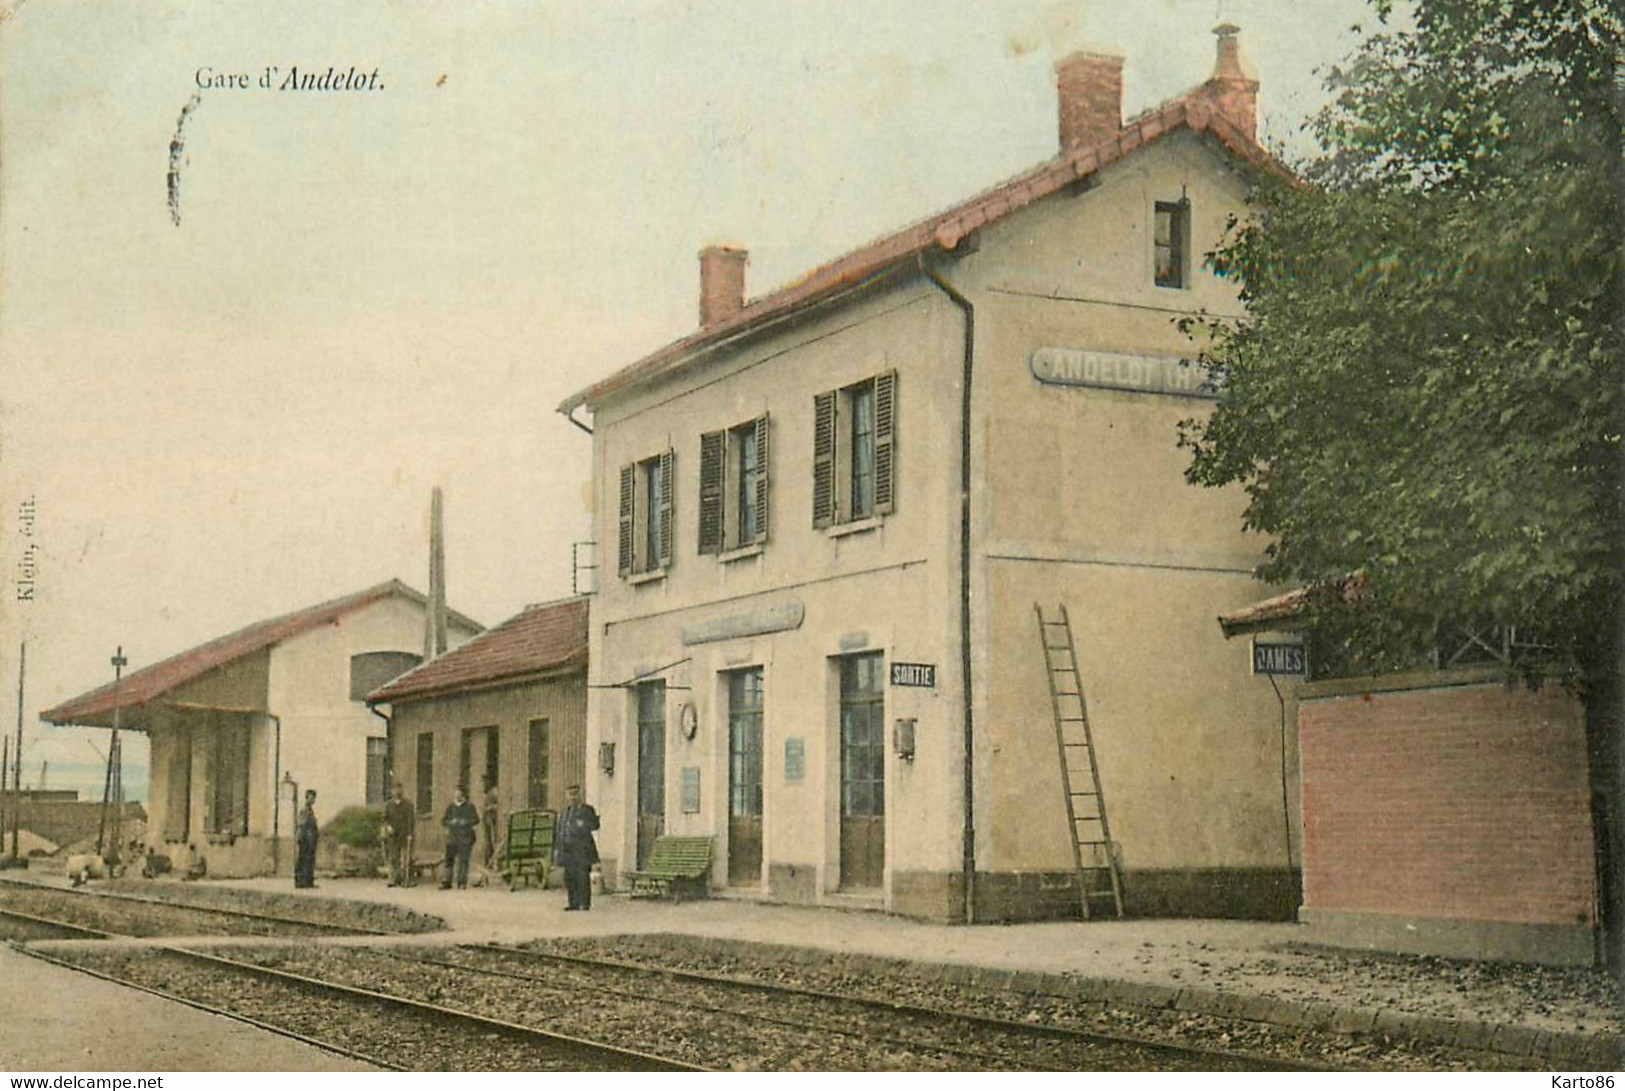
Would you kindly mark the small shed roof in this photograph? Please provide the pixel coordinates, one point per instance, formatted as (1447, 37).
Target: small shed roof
(1284, 611)
(540, 639)
(148, 683)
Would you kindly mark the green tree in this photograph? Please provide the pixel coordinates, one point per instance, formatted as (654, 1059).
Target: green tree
(1428, 385)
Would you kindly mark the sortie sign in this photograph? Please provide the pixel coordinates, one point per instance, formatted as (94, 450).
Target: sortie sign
(923, 675)
(1117, 371)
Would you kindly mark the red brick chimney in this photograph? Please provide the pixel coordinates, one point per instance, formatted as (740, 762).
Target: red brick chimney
(1233, 94)
(1090, 89)
(722, 283)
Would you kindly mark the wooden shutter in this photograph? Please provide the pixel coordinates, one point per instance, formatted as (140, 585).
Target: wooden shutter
(885, 442)
(824, 501)
(668, 505)
(713, 479)
(628, 491)
(761, 478)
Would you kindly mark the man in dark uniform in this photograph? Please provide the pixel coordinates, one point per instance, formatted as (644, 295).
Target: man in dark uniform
(461, 821)
(306, 832)
(400, 817)
(574, 849)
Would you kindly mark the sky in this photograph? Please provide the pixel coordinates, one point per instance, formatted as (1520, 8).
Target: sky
(230, 398)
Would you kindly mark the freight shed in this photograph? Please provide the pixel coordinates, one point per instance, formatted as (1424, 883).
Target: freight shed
(829, 514)
(237, 722)
(509, 706)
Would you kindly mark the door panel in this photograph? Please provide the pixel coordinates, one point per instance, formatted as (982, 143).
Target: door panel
(745, 776)
(651, 766)
(863, 771)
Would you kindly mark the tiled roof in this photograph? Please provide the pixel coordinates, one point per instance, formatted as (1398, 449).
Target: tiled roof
(144, 685)
(1194, 111)
(548, 637)
(1281, 611)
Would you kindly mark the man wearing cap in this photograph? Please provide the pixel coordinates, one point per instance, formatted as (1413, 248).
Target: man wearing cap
(306, 833)
(574, 849)
(461, 820)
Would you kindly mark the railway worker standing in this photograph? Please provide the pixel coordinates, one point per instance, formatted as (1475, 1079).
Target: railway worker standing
(574, 849)
(399, 819)
(461, 821)
(306, 833)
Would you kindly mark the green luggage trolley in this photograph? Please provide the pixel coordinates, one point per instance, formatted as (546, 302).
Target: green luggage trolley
(528, 852)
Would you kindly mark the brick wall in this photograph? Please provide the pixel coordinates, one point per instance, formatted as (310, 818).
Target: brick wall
(1462, 803)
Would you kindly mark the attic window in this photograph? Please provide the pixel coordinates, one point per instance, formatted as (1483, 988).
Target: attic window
(1171, 244)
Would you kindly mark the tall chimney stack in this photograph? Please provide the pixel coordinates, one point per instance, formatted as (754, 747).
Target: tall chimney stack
(1232, 92)
(722, 283)
(1090, 89)
(434, 635)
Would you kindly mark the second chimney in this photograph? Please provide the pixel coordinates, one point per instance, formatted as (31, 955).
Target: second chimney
(1090, 89)
(722, 283)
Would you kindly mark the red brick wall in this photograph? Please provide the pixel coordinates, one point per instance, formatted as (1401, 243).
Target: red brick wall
(1466, 803)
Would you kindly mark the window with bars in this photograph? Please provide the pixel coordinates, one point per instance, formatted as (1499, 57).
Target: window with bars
(646, 513)
(733, 487)
(1171, 244)
(854, 451)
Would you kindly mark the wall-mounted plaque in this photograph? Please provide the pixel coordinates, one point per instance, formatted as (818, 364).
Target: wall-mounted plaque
(691, 789)
(1118, 371)
(795, 760)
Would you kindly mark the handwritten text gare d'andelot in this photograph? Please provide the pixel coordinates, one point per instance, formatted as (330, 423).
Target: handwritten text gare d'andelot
(332, 78)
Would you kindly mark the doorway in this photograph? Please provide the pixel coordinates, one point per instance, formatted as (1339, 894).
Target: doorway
(863, 771)
(651, 766)
(745, 776)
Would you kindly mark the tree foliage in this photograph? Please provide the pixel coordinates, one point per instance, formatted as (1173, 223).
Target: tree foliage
(1428, 385)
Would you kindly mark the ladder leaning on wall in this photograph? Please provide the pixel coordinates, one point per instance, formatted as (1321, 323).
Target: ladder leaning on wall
(1085, 805)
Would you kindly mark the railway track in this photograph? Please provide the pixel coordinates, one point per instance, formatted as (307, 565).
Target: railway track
(382, 1029)
(955, 1021)
(493, 1007)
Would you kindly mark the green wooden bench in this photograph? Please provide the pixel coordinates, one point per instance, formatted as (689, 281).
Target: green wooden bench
(677, 866)
(527, 854)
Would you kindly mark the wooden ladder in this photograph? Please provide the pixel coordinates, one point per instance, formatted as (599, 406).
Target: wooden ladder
(1086, 807)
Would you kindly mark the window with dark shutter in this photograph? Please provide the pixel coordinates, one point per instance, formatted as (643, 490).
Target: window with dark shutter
(759, 532)
(823, 501)
(1170, 244)
(713, 482)
(667, 508)
(885, 440)
(628, 501)
(855, 451)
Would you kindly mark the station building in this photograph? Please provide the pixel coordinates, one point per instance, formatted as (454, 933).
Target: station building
(827, 516)
(240, 724)
(509, 706)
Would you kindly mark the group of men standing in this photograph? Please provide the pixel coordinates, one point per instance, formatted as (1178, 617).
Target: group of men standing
(574, 849)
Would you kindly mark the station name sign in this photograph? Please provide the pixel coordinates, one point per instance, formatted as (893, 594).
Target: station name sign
(1118, 371)
(923, 675)
(1288, 659)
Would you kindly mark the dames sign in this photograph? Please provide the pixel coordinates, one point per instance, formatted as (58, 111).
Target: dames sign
(1116, 371)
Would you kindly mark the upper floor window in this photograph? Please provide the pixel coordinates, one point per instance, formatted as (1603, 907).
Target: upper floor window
(646, 515)
(1171, 244)
(733, 487)
(854, 451)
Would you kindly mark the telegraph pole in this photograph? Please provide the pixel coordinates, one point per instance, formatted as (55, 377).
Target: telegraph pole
(114, 760)
(17, 775)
